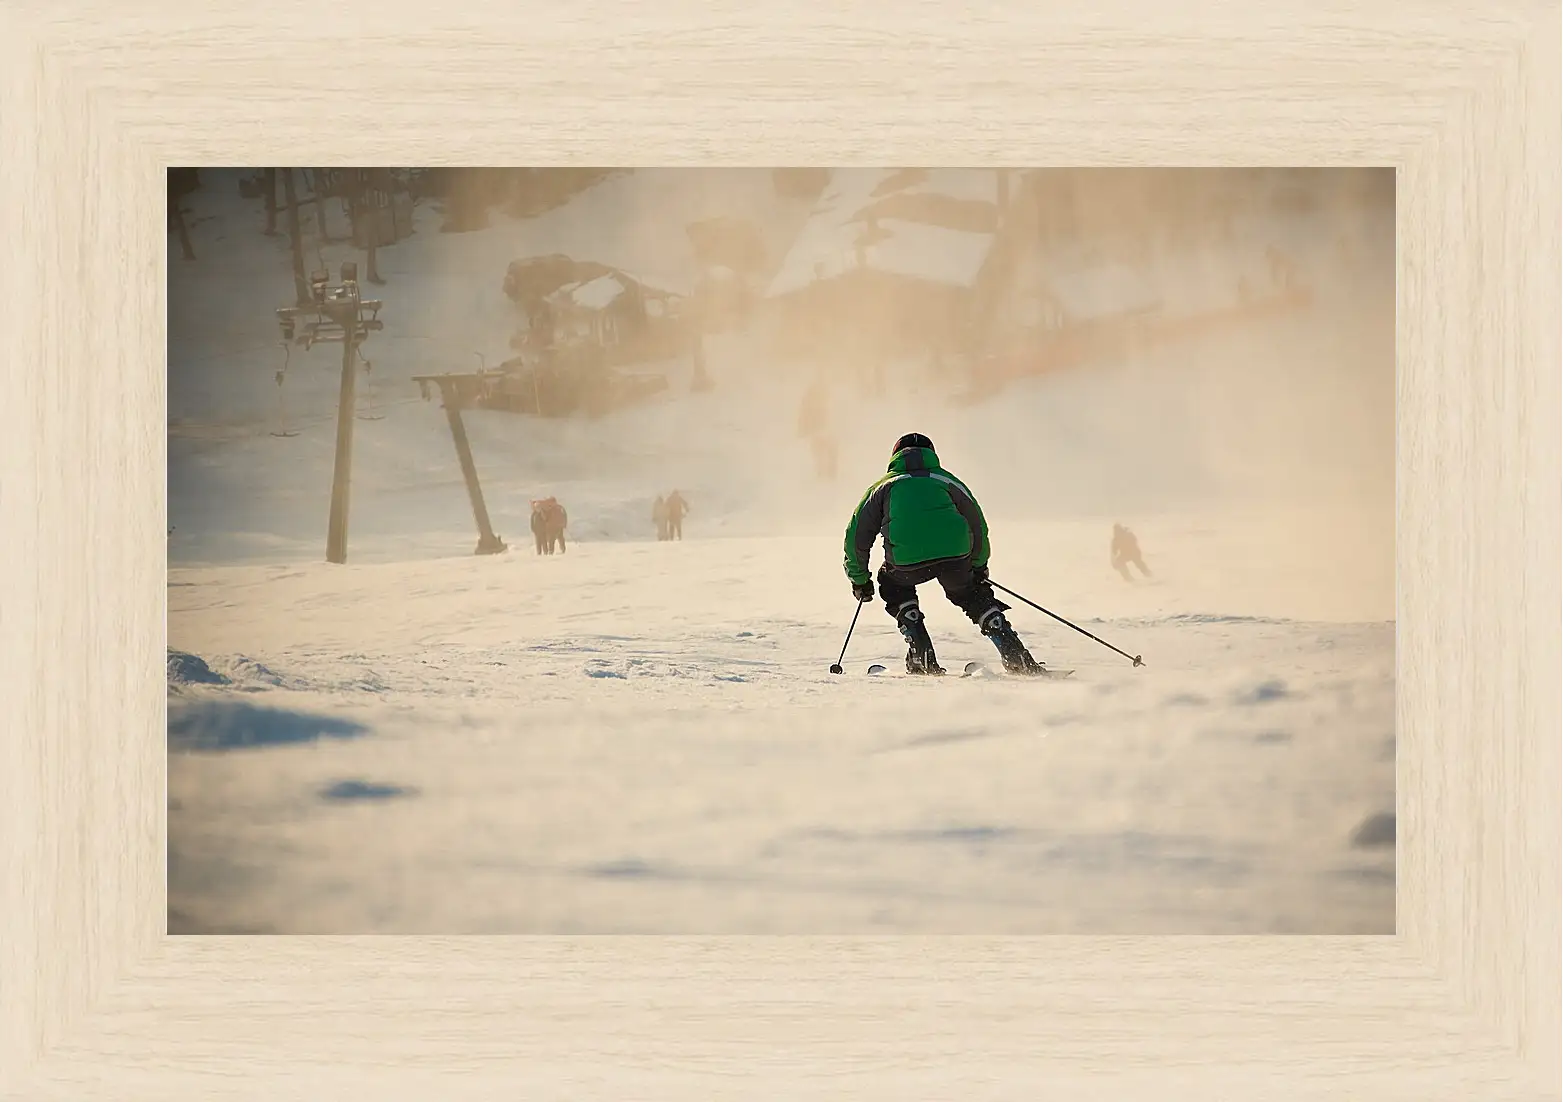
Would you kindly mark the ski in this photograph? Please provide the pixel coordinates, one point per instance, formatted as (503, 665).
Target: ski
(878, 668)
(974, 669)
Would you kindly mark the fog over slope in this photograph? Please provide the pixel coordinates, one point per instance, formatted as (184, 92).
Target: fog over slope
(641, 736)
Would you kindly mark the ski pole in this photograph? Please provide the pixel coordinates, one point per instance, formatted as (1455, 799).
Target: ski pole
(1132, 657)
(837, 667)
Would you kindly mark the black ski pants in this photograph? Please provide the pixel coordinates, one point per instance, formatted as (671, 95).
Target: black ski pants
(898, 586)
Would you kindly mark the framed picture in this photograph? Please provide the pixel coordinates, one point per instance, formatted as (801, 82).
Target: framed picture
(1241, 326)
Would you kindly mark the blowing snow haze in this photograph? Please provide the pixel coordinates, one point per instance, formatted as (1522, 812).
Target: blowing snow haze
(638, 734)
(1292, 407)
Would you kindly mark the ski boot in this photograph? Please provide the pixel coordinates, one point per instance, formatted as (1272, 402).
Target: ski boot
(1012, 652)
(920, 658)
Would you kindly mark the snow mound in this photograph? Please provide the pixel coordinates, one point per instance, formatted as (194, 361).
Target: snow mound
(191, 669)
(250, 674)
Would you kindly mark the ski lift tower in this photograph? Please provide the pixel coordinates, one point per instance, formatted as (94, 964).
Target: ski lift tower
(336, 312)
(459, 392)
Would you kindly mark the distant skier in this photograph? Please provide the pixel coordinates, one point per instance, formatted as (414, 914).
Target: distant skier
(1126, 552)
(677, 508)
(699, 381)
(558, 519)
(659, 517)
(548, 524)
(934, 530)
(540, 527)
(823, 448)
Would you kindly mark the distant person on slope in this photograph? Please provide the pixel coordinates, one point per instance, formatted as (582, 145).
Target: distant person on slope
(659, 517)
(557, 520)
(934, 530)
(677, 508)
(540, 527)
(1126, 551)
(823, 447)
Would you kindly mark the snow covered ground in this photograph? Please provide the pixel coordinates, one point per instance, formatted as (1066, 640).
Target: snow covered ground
(640, 736)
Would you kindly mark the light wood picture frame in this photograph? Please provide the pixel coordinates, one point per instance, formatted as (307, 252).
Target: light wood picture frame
(98, 100)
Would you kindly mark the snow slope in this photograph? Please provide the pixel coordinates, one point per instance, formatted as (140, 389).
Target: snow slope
(642, 737)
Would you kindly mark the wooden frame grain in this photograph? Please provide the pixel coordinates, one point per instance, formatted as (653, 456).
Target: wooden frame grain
(1461, 96)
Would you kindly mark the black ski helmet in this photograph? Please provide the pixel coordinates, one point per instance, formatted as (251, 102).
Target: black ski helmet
(912, 440)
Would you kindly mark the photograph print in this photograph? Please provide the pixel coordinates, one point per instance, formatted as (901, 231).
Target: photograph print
(781, 551)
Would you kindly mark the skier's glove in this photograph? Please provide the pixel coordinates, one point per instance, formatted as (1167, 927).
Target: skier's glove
(980, 573)
(863, 591)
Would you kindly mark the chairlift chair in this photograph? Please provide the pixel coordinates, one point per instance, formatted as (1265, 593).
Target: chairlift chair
(282, 403)
(369, 400)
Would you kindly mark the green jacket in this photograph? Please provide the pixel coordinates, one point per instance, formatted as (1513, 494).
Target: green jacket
(923, 511)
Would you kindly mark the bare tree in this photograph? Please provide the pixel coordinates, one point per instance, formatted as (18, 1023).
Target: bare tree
(269, 190)
(372, 236)
(363, 209)
(181, 182)
(296, 238)
(318, 175)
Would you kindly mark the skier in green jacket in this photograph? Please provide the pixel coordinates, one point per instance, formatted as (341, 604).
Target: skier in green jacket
(934, 530)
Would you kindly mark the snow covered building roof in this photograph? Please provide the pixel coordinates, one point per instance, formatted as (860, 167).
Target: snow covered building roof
(838, 238)
(979, 185)
(597, 293)
(930, 253)
(638, 222)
